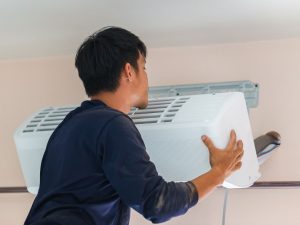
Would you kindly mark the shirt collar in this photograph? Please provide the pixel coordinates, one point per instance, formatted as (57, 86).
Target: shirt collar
(92, 103)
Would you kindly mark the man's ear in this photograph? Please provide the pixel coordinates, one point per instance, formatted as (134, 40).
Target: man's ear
(128, 72)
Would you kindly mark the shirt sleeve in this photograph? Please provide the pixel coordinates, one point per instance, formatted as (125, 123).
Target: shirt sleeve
(127, 166)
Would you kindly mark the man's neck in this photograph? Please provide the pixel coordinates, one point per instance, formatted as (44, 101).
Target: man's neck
(115, 100)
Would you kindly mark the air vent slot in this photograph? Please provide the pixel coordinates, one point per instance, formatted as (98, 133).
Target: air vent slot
(144, 121)
(162, 100)
(166, 120)
(173, 110)
(66, 108)
(57, 115)
(158, 106)
(176, 106)
(43, 113)
(31, 125)
(170, 115)
(27, 131)
(61, 112)
(158, 103)
(143, 111)
(46, 129)
(146, 116)
(180, 102)
(49, 124)
(35, 121)
(39, 117)
(54, 119)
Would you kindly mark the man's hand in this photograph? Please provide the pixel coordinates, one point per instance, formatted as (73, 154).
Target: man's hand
(223, 163)
(227, 160)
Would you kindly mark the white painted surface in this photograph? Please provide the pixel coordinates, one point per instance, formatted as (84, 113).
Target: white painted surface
(35, 28)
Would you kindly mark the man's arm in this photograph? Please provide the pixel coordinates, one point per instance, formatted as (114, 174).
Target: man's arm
(129, 170)
(134, 177)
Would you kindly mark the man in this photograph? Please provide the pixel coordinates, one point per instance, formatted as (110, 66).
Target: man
(95, 167)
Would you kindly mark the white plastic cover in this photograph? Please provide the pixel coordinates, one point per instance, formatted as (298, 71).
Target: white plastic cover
(171, 128)
(177, 150)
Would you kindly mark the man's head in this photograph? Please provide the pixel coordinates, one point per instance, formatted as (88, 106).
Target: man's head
(112, 59)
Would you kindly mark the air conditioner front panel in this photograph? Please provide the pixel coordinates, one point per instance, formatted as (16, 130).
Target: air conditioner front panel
(176, 147)
(171, 128)
(177, 158)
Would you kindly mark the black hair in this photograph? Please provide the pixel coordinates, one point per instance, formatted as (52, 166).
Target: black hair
(102, 56)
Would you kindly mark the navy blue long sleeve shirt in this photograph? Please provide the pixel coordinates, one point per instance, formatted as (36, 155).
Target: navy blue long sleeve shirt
(96, 161)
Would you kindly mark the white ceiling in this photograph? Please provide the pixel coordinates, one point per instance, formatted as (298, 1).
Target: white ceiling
(34, 28)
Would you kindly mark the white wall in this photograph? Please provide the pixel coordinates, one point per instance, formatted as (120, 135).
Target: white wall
(27, 85)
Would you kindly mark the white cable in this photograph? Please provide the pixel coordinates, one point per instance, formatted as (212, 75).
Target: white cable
(225, 206)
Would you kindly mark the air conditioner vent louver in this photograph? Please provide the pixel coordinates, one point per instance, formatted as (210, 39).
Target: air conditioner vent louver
(143, 111)
(173, 110)
(49, 124)
(158, 111)
(54, 119)
(39, 117)
(35, 121)
(26, 131)
(31, 125)
(47, 120)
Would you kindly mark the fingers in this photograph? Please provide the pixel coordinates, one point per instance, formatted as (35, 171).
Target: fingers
(238, 160)
(239, 152)
(240, 156)
(240, 144)
(232, 141)
(237, 166)
(240, 148)
(208, 142)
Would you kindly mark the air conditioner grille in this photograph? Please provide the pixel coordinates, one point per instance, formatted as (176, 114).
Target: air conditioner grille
(47, 120)
(158, 111)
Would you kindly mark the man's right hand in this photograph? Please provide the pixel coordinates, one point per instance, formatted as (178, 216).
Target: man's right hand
(227, 160)
(223, 163)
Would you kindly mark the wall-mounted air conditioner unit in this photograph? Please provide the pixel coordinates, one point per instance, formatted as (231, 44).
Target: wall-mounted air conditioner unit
(171, 126)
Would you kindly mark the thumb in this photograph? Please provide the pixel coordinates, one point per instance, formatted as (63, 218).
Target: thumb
(208, 142)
